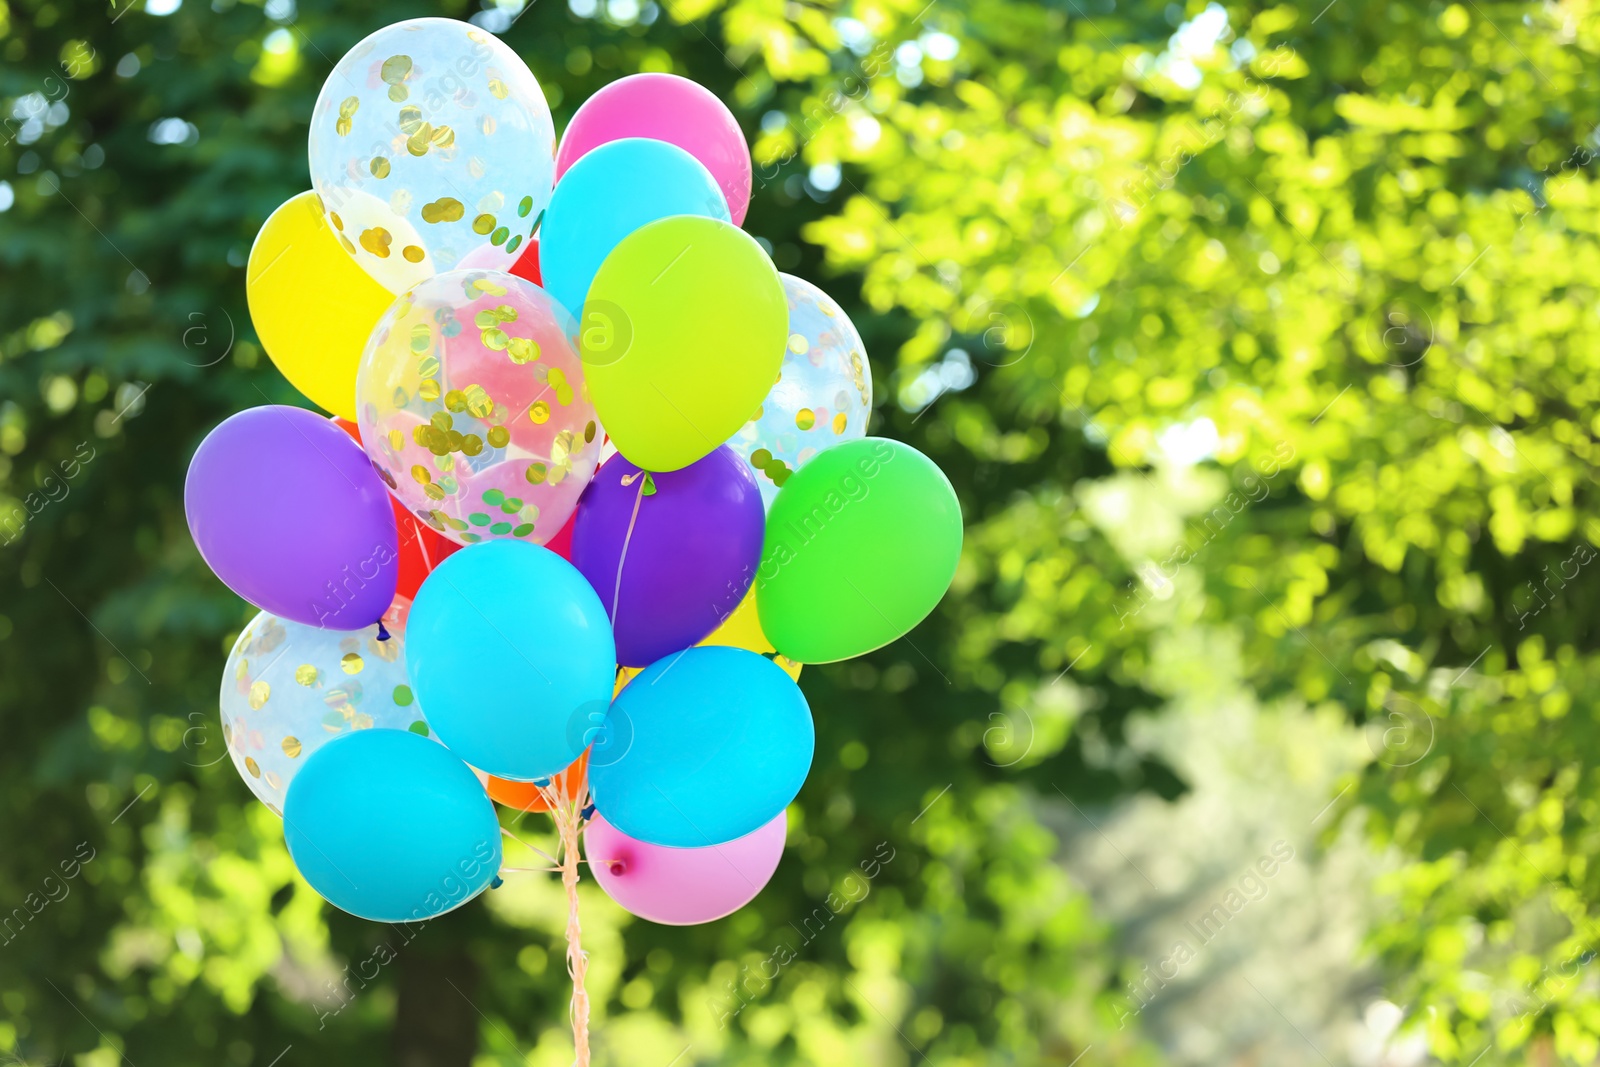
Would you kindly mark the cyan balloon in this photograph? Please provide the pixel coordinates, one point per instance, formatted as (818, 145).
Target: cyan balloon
(511, 652)
(389, 826)
(610, 192)
(709, 744)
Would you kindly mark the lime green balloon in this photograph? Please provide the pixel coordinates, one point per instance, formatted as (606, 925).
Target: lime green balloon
(861, 544)
(682, 336)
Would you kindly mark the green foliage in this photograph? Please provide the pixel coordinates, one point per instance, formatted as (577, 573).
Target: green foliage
(1282, 331)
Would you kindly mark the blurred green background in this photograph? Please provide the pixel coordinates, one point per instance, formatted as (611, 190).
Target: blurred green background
(1262, 345)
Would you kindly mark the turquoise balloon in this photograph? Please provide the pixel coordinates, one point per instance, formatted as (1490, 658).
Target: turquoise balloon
(389, 826)
(511, 652)
(704, 746)
(610, 192)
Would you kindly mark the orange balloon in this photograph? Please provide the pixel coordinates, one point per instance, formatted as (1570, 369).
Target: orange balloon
(524, 796)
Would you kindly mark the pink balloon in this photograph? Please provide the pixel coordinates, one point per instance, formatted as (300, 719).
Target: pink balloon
(668, 108)
(683, 886)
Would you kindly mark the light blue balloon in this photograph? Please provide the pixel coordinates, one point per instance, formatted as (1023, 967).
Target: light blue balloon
(606, 195)
(704, 746)
(389, 826)
(511, 652)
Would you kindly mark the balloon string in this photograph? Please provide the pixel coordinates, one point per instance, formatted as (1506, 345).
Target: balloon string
(616, 594)
(566, 811)
(533, 848)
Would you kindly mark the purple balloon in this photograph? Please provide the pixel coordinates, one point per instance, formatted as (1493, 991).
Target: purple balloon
(289, 513)
(669, 565)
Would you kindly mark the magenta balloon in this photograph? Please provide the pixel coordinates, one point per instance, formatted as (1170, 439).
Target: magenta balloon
(668, 108)
(669, 565)
(683, 886)
(289, 513)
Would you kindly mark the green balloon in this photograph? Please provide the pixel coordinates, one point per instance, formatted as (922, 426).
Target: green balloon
(861, 544)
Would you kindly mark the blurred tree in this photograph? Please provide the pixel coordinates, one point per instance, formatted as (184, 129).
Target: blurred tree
(1262, 320)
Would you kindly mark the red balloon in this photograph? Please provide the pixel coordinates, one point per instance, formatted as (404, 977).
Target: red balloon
(561, 543)
(527, 266)
(421, 548)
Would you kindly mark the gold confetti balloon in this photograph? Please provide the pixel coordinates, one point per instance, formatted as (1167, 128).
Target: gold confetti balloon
(823, 395)
(473, 407)
(289, 688)
(431, 149)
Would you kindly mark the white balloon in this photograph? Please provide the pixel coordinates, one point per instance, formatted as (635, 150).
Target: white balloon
(432, 141)
(288, 689)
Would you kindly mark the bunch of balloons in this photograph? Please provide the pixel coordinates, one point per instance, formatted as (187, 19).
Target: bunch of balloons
(596, 486)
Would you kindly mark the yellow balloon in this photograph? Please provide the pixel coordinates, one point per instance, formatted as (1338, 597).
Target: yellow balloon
(312, 306)
(682, 337)
(742, 629)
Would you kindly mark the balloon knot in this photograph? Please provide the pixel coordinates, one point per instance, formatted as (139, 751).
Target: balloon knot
(617, 866)
(587, 813)
(497, 883)
(383, 635)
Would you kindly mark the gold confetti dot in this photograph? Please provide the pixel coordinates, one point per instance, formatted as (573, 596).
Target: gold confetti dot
(588, 432)
(498, 88)
(259, 693)
(306, 674)
(291, 746)
(443, 137)
(252, 766)
(805, 418)
(419, 143)
(839, 421)
(522, 350)
(347, 112)
(412, 253)
(428, 390)
(798, 344)
(483, 224)
(351, 663)
(444, 209)
(479, 403)
(536, 473)
(488, 125)
(338, 223)
(539, 412)
(410, 120)
(395, 69)
(273, 781)
(499, 437)
(433, 491)
(455, 400)
(379, 167)
(420, 473)
(376, 241)
(472, 444)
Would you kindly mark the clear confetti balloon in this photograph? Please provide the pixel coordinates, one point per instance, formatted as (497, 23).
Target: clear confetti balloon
(473, 407)
(289, 688)
(431, 140)
(823, 395)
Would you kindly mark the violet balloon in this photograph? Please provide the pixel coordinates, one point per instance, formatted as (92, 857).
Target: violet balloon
(683, 886)
(287, 510)
(671, 555)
